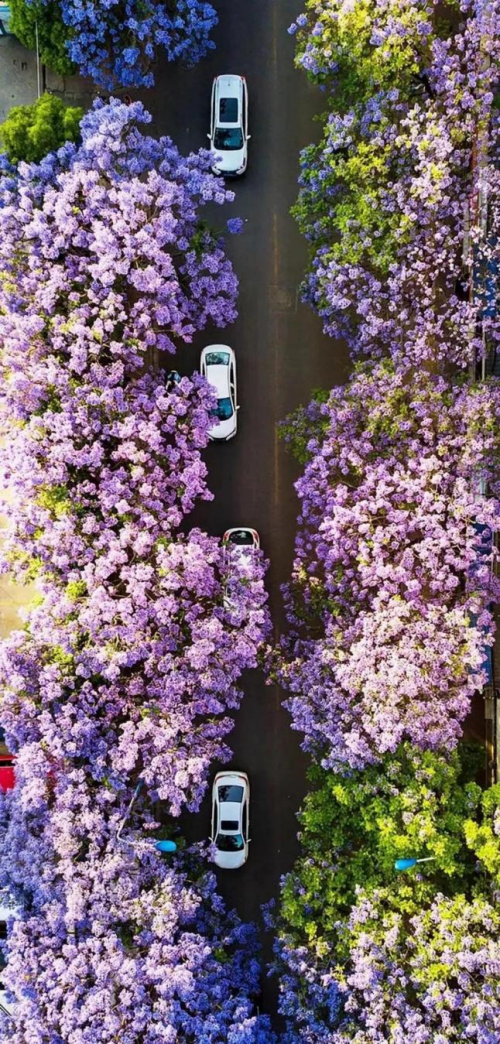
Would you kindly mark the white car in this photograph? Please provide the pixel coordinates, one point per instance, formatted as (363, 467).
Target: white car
(240, 545)
(231, 819)
(229, 125)
(6, 914)
(243, 539)
(218, 365)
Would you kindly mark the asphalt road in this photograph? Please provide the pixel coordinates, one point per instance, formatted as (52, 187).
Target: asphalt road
(282, 355)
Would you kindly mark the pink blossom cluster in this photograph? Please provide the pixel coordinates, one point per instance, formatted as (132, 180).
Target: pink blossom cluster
(391, 598)
(425, 972)
(395, 288)
(110, 938)
(129, 660)
(391, 586)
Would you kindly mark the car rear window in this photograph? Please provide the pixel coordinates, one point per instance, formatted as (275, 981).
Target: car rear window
(229, 842)
(242, 538)
(231, 793)
(217, 359)
(228, 110)
(229, 824)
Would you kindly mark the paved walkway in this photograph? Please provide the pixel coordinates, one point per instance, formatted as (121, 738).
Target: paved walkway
(21, 81)
(20, 84)
(12, 596)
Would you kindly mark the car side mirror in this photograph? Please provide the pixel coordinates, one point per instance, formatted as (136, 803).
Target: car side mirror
(248, 137)
(237, 407)
(209, 135)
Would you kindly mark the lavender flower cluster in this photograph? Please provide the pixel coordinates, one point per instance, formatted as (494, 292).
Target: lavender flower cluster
(128, 662)
(116, 42)
(390, 603)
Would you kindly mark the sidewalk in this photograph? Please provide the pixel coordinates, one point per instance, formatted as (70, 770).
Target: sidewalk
(12, 596)
(18, 86)
(18, 80)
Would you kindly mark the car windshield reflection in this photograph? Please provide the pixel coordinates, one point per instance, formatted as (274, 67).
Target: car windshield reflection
(224, 409)
(228, 139)
(243, 538)
(229, 842)
(231, 793)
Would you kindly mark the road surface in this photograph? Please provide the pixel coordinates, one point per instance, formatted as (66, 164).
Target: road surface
(282, 355)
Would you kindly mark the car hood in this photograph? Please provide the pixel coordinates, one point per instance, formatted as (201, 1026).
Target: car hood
(230, 161)
(230, 860)
(221, 429)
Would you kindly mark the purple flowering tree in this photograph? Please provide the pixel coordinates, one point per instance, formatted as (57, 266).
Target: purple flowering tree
(117, 42)
(107, 261)
(382, 196)
(388, 602)
(427, 972)
(111, 938)
(392, 590)
(129, 661)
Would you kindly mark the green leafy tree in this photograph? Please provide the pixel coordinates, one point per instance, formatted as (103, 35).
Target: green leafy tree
(483, 836)
(346, 54)
(354, 827)
(53, 34)
(31, 131)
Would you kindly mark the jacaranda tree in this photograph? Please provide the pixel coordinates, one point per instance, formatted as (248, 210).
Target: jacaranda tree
(129, 662)
(392, 581)
(116, 42)
(411, 89)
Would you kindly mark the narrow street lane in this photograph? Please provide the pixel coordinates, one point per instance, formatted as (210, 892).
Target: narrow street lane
(282, 355)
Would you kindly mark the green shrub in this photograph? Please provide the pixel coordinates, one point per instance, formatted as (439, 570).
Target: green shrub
(31, 131)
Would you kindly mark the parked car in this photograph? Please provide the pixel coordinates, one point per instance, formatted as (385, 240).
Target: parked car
(229, 125)
(218, 365)
(173, 377)
(231, 819)
(245, 540)
(7, 775)
(6, 913)
(5, 19)
(484, 546)
(240, 545)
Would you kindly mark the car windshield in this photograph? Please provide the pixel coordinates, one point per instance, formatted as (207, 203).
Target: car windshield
(242, 537)
(223, 410)
(231, 793)
(217, 359)
(229, 842)
(228, 139)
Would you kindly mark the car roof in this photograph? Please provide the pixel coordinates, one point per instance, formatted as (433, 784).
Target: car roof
(218, 373)
(230, 812)
(219, 378)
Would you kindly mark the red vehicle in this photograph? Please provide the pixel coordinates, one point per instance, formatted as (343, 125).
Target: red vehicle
(7, 775)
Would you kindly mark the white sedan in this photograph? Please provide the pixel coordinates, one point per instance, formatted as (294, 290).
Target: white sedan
(218, 365)
(243, 539)
(230, 819)
(6, 914)
(229, 125)
(240, 547)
